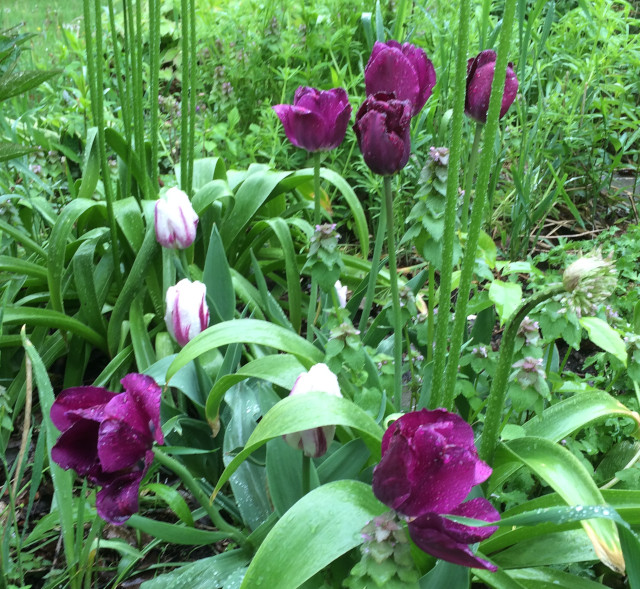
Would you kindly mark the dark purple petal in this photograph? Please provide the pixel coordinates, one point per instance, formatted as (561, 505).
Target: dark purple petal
(391, 484)
(117, 501)
(77, 447)
(120, 446)
(445, 539)
(317, 120)
(382, 129)
(391, 72)
(79, 403)
(480, 73)
(478, 508)
(147, 395)
(426, 74)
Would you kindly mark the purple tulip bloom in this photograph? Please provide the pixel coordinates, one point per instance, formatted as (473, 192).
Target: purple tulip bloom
(187, 312)
(175, 220)
(382, 128)
(107, 437)
(402, 70)
(317, 120)
(314, 442)
(480, 72)
(429, 465)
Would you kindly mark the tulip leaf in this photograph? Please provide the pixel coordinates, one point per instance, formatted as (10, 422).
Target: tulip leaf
(446, 574)
(605, 337)
(498, 580)
(300, 412)
(130, 220)
(248, 331)
(568, 477)
(206, 573)
(254, 191)
(319, 528)
(175, 533)
(559, 421)
(278, 369)
(216, 276)
(173, 499)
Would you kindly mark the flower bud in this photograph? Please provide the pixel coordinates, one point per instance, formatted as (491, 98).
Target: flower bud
(317, 120)
(314, 442)
(480, 72)
(187, 313)
(383, 131)
(589, 282)
(175, 220)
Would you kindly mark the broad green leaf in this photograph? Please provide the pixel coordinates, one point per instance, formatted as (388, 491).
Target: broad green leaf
(130, 220)
(446, 574)
(24, 267)
(142, 347)
(52, 319)
(217, 278)
(205, 573)
(300, 412)
(507, 297)
(90, 165)
(247, 331)
(568, 477)
(548, 578)
(605, 337)
(173, 499)
(9, 151)
(344, 463)
(498, 580)
(57, 247)
(278, 369)
(19, 82)
(175, 533)
(319, 528)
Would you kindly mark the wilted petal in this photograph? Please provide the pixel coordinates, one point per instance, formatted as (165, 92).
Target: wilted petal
(79, 403)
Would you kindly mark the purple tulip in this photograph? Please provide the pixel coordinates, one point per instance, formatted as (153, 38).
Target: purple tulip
(314, 442)
(175, 220)
(382, 128)
(429, 465)
(402, 70)
(317, 120)
(187, 312)
(480, 72)
(107, 437)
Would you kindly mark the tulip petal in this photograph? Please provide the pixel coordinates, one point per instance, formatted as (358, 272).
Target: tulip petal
(117, 501)
(77, 447)
(390, 71)
(435, 535)
(426, 74)
(79, 403)
(147, 395)
(120, 446)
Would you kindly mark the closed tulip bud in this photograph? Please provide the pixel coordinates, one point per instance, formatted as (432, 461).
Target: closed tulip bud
(314, 442)
(382, 128)
(480, 72)
(175, 220)
(317, 120)
(187, 313)
(402, 70)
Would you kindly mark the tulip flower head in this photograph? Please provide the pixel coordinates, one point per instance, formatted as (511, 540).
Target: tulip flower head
(383, 130)
(480, 72)
(175, 220)
(317, 120)
(187, 312)
(107, 438)
(429, 464)
(402, 70)
(314, 442)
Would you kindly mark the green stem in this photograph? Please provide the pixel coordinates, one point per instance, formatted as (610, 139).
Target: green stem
(375, 267)
(498, 392)
(199, 494)
(471, 170)
(313, 295)
(104, 164)
(477, 210)
(88, 39)
(395, 298)
(306, 474)
(430, 311)
(154, 67)
(444, 303)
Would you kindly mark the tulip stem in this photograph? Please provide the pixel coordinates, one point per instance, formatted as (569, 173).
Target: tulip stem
(471, 170)
(395, 298)
(375, 266)
(306, 474)
(497, 394)
(201, 497)
(313, 295)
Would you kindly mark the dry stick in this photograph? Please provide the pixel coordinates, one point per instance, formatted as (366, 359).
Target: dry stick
(26, 426)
